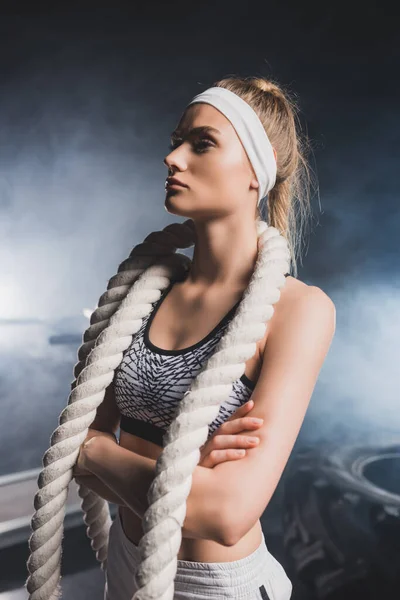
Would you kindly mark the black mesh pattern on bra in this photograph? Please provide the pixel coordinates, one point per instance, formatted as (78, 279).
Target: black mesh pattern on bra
(150, 382)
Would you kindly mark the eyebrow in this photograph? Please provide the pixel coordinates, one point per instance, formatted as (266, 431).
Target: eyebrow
(196, 131)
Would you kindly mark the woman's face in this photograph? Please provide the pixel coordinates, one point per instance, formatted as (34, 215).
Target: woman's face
(212, 162)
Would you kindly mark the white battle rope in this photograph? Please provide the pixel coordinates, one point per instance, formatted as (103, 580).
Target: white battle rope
(139, 282)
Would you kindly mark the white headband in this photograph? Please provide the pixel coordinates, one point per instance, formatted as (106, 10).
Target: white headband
(250, 131)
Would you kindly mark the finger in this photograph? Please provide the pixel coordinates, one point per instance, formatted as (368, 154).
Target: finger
(80, 474)
(227, 443)
(219, 456)
(78, 470)
(234, 441)
(82, 479)
(238, 425)
(246, 406)
(242, 410)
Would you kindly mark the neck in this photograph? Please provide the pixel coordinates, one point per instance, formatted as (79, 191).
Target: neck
(225, 253)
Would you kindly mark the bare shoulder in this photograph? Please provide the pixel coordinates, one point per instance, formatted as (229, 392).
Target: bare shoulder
(297, 300)
(296, 290)
(302, 328)
(309, 303)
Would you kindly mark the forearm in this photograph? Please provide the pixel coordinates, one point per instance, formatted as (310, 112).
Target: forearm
(130, 475)
(100, 488)
(91, 481)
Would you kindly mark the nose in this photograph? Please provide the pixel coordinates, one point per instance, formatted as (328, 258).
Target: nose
(171, 166)
(176, 160)
(170, 170)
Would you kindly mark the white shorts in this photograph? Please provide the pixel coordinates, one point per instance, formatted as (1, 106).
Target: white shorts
(258, 576)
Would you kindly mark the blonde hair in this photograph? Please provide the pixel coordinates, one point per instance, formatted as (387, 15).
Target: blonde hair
(288, 203)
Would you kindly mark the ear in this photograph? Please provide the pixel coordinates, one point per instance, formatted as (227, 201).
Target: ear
(254, 183)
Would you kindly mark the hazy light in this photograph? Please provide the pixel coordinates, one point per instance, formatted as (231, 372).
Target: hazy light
(11, 305)
(87, 312)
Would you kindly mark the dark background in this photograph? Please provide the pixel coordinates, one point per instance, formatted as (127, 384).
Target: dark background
(89, 93)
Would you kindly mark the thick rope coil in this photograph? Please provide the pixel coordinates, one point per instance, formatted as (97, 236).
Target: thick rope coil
(101, 352)
(138, 283)
(164, 518)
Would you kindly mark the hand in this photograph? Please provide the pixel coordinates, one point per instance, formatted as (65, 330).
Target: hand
(81, 469)
(224, 443)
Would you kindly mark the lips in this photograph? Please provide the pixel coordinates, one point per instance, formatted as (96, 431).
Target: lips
(173, 181)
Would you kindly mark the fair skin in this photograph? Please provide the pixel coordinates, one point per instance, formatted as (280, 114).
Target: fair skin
(101, 462)
(228, 442)
(221, 199)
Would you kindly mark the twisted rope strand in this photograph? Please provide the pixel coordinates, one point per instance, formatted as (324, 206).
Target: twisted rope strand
(98, 356)
(168, 492)
(129, 297)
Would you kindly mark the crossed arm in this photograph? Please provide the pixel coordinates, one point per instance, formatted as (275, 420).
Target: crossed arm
(219, 505)
(128, 476)
(92, 481)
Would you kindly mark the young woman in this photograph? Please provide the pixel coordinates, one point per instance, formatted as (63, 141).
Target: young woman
(213, 182)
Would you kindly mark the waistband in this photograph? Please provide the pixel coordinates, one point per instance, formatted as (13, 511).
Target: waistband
(243, 575)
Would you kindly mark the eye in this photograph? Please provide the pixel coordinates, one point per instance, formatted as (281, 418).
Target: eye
(200, 145)
(174, 144)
